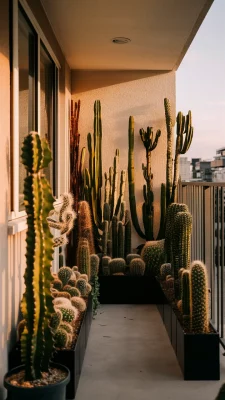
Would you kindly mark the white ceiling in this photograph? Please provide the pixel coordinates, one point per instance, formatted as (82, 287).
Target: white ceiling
(160, 31)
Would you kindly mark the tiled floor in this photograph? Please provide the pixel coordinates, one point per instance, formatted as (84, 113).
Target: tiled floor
(129, 357)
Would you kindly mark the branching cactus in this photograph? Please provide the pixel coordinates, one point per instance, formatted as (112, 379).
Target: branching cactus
(137, 267)
(153, 256)
(36, 304)
(181, 241)
(199, 298)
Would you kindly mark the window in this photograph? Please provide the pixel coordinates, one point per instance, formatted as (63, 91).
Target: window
(34, 96)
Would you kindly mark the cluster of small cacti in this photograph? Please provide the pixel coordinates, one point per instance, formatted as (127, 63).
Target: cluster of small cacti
(194, 298)
(153, 254)
(133, 265)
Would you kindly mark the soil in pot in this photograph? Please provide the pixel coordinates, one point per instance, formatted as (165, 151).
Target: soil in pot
(51, 386)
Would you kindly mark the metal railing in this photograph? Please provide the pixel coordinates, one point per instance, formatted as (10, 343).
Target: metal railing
(206, 203)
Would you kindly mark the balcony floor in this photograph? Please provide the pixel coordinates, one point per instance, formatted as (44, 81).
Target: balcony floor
(129, 357)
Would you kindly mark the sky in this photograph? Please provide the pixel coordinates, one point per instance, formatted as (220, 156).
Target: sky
(201, 84)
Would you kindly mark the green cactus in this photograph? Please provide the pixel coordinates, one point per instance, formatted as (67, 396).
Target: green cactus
(57, 284)
(137, 267)
(94, 261)
(153, 255)
(165, 270)
(85, 226)
(57, 294)
(79, 303)
(120, 201)
(127, 239)
(171, 213)
(183, 141)
(84, 276)
(199, 298)
(150, 144)
(105, 237)
(131, 256)
(181, 241)
(67, 327)
(73, 291)
(117, 265)
(105, 265)
(72, 282)
(114, 237)
(83, 258)
(185, 293)
(83, 287)
(56, 319)
(120, 240)
(64, 274)
(69, 314)
(61, 338)
(36, 304)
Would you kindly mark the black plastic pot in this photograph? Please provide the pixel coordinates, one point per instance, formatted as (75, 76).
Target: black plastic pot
(55, 391)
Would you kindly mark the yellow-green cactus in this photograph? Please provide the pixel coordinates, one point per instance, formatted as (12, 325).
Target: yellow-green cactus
(36, 304)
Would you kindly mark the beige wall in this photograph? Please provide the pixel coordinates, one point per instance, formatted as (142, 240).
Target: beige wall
(142, 98)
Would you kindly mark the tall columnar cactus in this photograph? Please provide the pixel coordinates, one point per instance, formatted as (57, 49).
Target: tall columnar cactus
(185, 295)
(83, 258)
(105, 235)
(114, 237)
(127, 238)
(184, 135)
(171, 213)
(36, 304)
(199, 298)
(153, 256)
(85, 226)
(150, 144)
(120, 240)
(94, 265)
(181, 241)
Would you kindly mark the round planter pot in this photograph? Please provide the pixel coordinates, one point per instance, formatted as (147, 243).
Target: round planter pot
(56, 391)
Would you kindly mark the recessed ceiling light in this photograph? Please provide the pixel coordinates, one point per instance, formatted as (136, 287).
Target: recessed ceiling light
(121, 40)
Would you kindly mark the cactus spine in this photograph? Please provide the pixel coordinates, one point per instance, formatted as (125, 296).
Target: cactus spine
(36, 304)
(199, 298)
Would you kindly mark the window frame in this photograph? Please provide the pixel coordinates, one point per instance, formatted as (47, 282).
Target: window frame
(15, 151)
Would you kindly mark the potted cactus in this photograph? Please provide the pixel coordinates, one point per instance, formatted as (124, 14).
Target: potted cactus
(37, 378)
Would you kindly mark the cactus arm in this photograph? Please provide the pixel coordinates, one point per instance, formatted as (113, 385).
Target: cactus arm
(161, 233)
(115, 182)
(169, 162)
(122, 190)
(132, 198)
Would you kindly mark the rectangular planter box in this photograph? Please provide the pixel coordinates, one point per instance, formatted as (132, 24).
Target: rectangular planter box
(198, 355)
(161, 310)
(168, 319)
(174, 331)
(130, 290)
(72, 359)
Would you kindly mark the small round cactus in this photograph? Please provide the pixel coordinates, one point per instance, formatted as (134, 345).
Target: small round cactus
(77, 274)
(73, 291)
(57, 284)
(65, 274)
(62, 294)
(131, 256)
(165, 270)
(61, 338)
(79, 303)
(137, 267)
(117, 265)
(105, 265)
(153, 255)
(56, 318)
(67, 327)
(69, 314)
(61, 301)
(83, 286)
(84, 276)
(72, 282)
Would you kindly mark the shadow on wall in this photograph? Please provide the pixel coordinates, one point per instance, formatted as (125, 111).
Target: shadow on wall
(84, 81)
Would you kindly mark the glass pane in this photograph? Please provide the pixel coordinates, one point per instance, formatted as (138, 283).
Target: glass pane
(27, 90)
(47, 77)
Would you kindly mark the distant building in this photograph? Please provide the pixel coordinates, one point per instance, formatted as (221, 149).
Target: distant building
(218, 166)
(193, 165)
(185, 171)
(203, 170)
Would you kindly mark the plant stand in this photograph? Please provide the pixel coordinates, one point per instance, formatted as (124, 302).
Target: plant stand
(198, 354)
(72, 359)
(126, 289)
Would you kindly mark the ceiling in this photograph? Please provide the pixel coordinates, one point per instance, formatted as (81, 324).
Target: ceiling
(160, 31)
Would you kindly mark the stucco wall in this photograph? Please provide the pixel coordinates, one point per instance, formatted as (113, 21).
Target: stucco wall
(142, 98)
